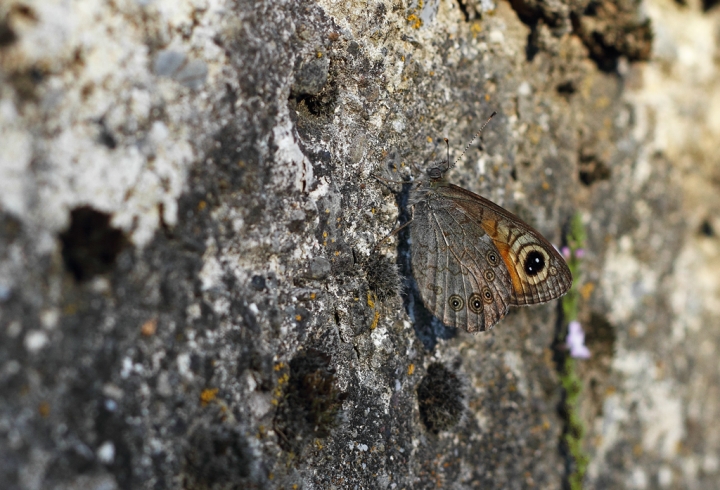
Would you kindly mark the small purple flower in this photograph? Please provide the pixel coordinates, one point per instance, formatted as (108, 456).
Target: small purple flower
(576, 341)
(565, 251)
(580, 253)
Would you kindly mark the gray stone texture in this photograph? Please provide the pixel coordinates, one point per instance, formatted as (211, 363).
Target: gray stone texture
(191, 295)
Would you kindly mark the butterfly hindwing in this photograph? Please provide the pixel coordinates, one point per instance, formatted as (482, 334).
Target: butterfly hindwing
(458, 269)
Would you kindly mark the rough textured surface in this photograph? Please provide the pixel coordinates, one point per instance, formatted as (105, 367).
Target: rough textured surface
(189, 293)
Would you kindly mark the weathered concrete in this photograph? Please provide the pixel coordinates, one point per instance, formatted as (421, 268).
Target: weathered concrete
(189, 294)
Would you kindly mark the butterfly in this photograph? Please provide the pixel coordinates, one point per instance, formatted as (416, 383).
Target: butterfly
(472, 259)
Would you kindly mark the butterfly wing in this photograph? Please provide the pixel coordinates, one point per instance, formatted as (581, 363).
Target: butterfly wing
(537, 270)
(459, 271)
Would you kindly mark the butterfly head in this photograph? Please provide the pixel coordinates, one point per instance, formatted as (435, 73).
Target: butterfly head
(436, 171)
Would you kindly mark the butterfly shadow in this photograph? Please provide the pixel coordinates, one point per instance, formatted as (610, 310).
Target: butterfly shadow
(428, 328)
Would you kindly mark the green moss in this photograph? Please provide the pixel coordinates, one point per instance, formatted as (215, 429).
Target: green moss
(575, 240)
(574, 430)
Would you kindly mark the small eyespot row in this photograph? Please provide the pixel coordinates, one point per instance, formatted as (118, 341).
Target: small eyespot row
(456, 303)
(492, 258)
(475, 301)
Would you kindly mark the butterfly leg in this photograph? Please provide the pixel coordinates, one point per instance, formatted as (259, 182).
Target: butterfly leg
(396, 230)
(388, 182)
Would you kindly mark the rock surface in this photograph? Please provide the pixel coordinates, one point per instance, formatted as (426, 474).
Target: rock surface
(190, 290)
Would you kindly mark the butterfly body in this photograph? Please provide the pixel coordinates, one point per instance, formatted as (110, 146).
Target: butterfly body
(472, 259)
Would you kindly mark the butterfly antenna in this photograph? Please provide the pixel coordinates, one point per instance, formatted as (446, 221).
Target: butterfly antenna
(475, 137)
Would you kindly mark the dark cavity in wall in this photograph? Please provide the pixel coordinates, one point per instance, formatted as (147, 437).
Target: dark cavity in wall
(566, 89)
(592, 170)
(382, 275)
(313, 87)
(90, 245)
(609, 28)
(707, 229)
(217, 457)
(440, 399)
(26, 83)
(467, 10)
(613, 29)
(320, 105)
(601, 337)
(7, 35)
(18, 13)
(310, 403)
(532, 48)
(105, 137)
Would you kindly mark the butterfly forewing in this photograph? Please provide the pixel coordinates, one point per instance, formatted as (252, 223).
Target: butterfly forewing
(538, 271)
(472, 259)
(536, 284)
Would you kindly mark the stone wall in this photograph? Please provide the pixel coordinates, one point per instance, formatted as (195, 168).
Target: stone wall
(191, 295)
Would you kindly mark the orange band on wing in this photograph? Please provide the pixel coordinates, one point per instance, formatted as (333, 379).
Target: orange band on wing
(500, 236)
(504, 250)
